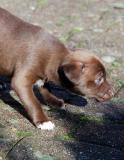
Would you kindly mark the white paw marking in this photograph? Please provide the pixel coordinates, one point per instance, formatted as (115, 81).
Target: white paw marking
(39, 83)
(46, 126)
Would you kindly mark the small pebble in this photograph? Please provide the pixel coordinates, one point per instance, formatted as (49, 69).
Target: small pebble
(118, 5)
(32, 8)
(108, 59)
(38, 154)
(98, 30)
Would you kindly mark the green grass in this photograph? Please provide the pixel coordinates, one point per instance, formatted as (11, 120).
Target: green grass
(41, 3)
(65, 137)
(68, 36)
(1, 126)
(1, 136)
(64, 19)
(81, 44)
(115, 64)
(86, 119)
(23, 133)
(121, 83)
(117, 100)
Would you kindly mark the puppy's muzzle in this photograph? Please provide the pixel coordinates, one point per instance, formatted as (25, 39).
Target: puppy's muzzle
(106, 93)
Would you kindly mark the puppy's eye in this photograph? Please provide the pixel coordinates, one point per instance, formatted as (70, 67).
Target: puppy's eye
(99, 81)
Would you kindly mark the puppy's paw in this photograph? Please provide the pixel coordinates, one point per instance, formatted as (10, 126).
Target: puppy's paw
(59, 103)
(55, 103)
(46, 126)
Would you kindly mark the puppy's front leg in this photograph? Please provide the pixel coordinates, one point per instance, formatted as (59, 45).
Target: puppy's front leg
(51, 99)
(23, 87)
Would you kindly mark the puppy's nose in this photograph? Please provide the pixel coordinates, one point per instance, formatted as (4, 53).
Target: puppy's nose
(109, 94)
(106, 95)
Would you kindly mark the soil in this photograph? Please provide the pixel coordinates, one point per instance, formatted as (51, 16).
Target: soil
(93, 132)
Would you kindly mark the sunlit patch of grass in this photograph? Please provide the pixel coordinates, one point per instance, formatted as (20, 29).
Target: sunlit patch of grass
(86, 119)
(2, 134)
(64, 19)
(1, 126)
(115, 64)
(117, 100)
(121, 83)
(81, 44)
(68, 36)
(23, 133)
(65, 137)
(41, 3)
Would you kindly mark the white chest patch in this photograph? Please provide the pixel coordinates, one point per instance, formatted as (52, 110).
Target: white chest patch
(46, 126)
(39, 83)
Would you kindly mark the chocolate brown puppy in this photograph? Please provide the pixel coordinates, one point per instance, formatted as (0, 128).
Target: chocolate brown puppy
(28, 53)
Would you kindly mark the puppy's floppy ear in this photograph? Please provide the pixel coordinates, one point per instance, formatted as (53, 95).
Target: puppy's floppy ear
(73, 71)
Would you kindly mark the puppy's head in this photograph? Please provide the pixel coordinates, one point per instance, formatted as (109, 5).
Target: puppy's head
(87, 74)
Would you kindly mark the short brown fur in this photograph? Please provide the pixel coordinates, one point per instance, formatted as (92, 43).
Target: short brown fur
(29, 53)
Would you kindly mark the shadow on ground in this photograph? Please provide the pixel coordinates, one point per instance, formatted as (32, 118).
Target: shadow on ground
(87, 136)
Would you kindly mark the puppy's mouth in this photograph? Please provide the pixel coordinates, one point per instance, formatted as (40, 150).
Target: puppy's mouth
(98, 99)
(105, 96)
(102, 96)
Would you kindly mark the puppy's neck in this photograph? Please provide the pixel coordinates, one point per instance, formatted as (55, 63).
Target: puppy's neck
(64, 81)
